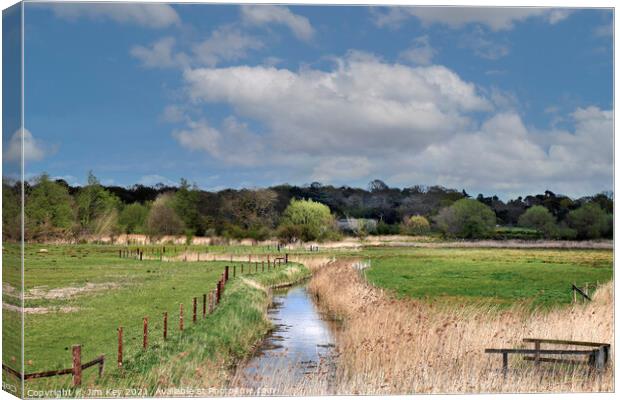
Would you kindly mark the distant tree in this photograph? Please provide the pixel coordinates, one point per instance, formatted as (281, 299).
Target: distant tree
(186, 205)
(539, 218)
(49, 209)
(377, 185)
(162, 219)
(11, 210)
(590, 221)
(94, 202)
(133, 218)
(309, 219)
(417, 225)
(466, 218)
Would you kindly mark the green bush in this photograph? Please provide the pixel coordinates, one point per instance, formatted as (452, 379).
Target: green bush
(49, 209)
(306, 220)
(466, 218)
(417, 225)
(590, 221)
(387, 229)
(133, 218)
(539, 218)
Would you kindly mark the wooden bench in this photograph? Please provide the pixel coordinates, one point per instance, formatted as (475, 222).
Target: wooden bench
(598, 353)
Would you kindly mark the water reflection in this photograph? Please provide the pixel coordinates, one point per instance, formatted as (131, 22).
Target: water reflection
(300, 345)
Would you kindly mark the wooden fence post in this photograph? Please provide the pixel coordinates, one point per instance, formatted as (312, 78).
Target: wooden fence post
(574, 293)
(194, 310)
(219, 292)
(241, 269)
(165, 325)
(77, 364)
(211, 302)
(204, 305)
(140, 256)
(286, 258)
(145, 333)
(101, 365)
(226, 273)
(120, 347)
(234, 271)
(181, 317)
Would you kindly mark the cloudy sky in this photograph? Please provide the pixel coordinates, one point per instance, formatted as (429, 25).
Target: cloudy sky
(506, 101)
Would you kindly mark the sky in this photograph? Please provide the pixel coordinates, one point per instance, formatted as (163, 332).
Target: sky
(507, 101)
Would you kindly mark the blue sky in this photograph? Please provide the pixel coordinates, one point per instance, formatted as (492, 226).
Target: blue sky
(508, 101)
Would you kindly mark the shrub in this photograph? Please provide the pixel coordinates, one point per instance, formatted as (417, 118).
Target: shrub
(133, 218)
(417, 225)
(589, 220)
(466, 218)
(384, 228)
(307, 219)
(162, 219)
(539, 218)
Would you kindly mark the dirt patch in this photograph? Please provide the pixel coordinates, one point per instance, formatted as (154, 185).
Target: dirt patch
(42, 292)
(39, 310)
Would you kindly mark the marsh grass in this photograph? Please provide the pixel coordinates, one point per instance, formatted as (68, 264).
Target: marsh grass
(403, 346)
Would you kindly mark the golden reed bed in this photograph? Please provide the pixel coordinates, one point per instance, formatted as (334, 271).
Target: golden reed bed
(396, 346)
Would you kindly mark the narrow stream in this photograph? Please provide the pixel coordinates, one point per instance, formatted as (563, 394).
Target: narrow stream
(300, 345)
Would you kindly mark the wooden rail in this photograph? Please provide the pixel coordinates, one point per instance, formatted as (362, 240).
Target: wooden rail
(598, 354)
(75, 370)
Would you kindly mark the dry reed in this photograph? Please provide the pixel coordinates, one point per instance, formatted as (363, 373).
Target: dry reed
(396, 346)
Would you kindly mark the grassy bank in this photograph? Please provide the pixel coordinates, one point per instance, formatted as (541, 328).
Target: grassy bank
(405, 346)
(539, 277)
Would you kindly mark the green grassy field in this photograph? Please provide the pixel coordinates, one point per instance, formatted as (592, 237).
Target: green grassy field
(539, 277)
(87, 292)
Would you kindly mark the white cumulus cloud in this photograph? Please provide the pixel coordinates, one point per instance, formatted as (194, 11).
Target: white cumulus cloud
(361, 102)
(32, 149)
(270, 14)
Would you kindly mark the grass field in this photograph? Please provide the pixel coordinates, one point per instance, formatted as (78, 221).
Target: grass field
(499, 276)
(81, 294)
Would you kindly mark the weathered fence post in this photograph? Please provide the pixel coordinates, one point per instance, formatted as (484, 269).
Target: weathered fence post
(165, 325)
(204, 305)
(181, 317)
(234, 271)
(77, 364)
(574, 293)
(211, 302)
(194, 310)
(504, 364)
(219, 291)
(120, 347)
(226, 273)
(537, 354)
(145, 333)
(140, 256)
(101, 365)
(286, 258)
(120, 254)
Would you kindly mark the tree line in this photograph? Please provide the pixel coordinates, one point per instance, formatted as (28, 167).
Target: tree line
(54, 209)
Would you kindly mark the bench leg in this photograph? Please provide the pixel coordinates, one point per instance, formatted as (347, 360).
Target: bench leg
(599, 358)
